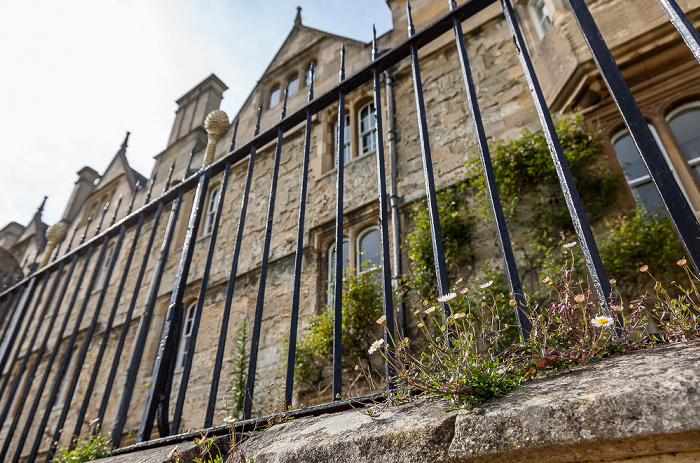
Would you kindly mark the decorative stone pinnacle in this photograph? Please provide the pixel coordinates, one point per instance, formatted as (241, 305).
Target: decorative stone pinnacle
(54, 235)
(216, 125)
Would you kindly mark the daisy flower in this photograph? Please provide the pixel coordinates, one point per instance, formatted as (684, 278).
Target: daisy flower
(229, 419)
(602, 321)
(430, 310)
(570, 245)
(486, 285)
(644, 268)
(381, 320)
(682, 262)
(447, 297)
(579, 298)
(377, 344)
(457, 316)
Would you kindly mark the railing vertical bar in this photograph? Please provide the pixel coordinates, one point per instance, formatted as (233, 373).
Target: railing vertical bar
(521, 312)
(431, 195)
(192, 342)
(298, 257)
(65, 360)
(599, 276)
(145, 321)
(40, 352)
(683, 25)
(86, 343)
(12, 297)
(338, 277)
(675, 202)
(18, 348)
(260, 302)
(108, 326)
(387, 288)
(141, 331)
(221, 347)
(14, 322)
(159, 391)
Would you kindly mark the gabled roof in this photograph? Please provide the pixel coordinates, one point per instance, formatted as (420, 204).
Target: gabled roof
(120, 166)
(292, 45)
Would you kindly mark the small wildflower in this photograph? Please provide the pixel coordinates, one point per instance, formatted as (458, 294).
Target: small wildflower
(229, 419)
(421, 325)
(613, 281)
(644, 268)
(447, 297)
(376, 345)
(406, 341)
(459, 281)
(464, 291)
(570, 245)
(512, 302)
(337, 396)
(602, 321)
(357, 367)
(425, 302)
(457, 316)
(546, 280)
(682, 262)
(381, 320)
(579, 298)
(430, 310)
(443, 328)
(450, 319)
(486, 285)
(616, 308)
(416, 312)
(93, 421)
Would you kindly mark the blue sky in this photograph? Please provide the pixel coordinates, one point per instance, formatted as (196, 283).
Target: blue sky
(77, 74)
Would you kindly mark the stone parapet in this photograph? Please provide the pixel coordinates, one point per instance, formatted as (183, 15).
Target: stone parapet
(640, 407)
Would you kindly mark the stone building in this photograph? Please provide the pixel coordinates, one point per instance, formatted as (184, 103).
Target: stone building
(658, 67)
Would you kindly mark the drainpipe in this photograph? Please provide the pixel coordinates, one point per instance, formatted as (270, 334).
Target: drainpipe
(391, 139)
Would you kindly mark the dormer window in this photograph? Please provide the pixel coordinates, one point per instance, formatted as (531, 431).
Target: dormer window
(540, 16)
(293, 85)
(274, 96)
(310, 74)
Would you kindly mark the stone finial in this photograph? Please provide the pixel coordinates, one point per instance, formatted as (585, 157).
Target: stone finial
(217, 125)
(297, 19)
(54, 235)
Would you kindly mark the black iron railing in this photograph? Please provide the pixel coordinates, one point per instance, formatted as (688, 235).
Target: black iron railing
(40, 341)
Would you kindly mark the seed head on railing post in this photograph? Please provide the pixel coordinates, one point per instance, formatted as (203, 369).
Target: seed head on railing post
(217, 125)
(54, 235)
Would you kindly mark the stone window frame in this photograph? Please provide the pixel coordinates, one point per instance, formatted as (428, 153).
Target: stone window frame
(353, 107)
(352, 234)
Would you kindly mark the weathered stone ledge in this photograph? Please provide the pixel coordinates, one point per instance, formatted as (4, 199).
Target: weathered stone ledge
(640, 407)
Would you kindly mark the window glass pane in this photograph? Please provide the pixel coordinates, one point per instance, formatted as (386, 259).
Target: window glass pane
(185, 335)
(104, 266)
(541, 17)
(292, 85)
(629, 158)
(346, 141)
(310, 75)
(650, 198)
(686, 128)
(274, 96)
(367, 129)
(211, 210)
(368, 250)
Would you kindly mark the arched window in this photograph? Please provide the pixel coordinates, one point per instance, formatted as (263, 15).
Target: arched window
(636, 173)
(104, 267)
(210, 213)
(685, 123)
(310, 73)
(368, 126)
(346, 142)
(185, 335)
(540, 16)
(274, 96)
(368, 250)
(331, 267)
(292, 85)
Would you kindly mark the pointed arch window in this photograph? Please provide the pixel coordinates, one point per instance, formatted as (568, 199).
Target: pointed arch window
(368, 250)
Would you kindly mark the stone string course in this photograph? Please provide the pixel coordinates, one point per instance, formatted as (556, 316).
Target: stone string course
(640, 407)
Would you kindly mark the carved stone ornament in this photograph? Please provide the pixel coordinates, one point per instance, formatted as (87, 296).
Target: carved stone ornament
(216, 125)
(54, 235)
